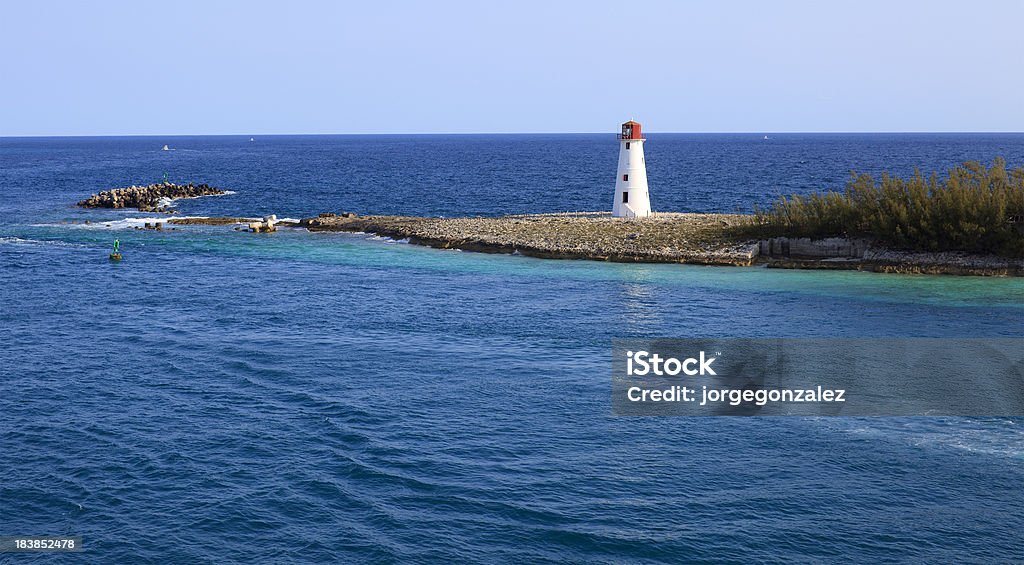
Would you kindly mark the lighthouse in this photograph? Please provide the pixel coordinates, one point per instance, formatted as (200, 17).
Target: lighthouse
(631, 197)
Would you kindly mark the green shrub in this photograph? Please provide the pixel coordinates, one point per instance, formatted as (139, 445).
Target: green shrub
(969, 210)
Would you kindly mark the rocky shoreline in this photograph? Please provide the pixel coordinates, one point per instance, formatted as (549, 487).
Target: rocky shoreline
(704, 239)
(701, 239)
(210, 221)
(147, 198)
(666, 238)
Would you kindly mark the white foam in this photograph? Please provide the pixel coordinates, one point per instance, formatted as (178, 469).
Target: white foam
(386, 239)
(166, 201)
(1006, 442)
(23, 241)
(123, 224)
(1001, 438)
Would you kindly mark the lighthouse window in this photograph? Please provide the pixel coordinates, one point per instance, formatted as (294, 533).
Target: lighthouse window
(625, 177)
(625, 197)
(627, 145)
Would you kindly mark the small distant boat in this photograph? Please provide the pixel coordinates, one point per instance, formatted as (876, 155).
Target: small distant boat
(766, 137)
(166, 148)
(251, 139)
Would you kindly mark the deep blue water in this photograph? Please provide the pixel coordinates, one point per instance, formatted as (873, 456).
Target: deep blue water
(227, 397)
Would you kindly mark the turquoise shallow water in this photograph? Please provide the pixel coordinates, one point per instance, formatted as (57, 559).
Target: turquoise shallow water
(225, 397)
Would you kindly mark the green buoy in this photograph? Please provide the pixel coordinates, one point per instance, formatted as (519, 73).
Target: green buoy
(116, 255)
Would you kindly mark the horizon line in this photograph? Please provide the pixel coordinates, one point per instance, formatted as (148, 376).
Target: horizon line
(613, 132)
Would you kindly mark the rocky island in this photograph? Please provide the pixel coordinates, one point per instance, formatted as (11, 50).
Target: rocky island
(148, 198)
(971, 223)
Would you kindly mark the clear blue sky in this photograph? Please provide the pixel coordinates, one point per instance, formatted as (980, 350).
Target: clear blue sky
(182, 67)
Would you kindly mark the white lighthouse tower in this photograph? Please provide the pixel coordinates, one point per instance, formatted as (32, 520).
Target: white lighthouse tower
(631, 197)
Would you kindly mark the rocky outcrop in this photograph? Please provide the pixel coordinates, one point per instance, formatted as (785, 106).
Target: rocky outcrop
(147, 198)
(265, 226)
(949, 263)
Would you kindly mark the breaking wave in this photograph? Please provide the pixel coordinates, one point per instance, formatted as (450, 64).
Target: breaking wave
(122, 224)
(8, 240)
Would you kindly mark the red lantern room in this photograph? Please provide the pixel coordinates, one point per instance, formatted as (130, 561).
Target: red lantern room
(631, 130)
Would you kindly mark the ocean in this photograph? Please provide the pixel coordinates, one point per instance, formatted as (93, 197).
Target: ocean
(221, 396)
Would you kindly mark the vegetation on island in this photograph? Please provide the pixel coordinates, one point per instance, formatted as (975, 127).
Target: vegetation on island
(973, 209)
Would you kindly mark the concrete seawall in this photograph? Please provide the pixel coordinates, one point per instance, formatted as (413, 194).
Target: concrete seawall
(860, 254)
(828, 248)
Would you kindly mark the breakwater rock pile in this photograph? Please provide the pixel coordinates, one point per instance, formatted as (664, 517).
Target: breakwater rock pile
(148, 198)
(663, 238)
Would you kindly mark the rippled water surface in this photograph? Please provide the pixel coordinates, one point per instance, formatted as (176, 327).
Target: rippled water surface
(227, 397)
